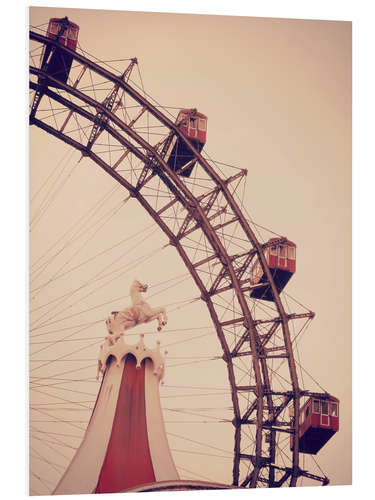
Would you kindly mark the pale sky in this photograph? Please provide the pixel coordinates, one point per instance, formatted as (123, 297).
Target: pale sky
(277, 94)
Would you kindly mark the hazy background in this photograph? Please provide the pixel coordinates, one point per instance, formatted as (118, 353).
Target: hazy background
(277, 94)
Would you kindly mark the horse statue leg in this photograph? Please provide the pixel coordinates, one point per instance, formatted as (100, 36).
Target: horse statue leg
(164, 314)
(161, 311)
(160, 322)
(159, 314)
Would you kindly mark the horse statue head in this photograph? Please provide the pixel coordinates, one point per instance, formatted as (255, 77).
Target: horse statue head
(138, 286)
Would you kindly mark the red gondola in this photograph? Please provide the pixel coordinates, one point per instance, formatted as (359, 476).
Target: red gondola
(319, 421)
(175, 152)
(54, 61)
(281, 259)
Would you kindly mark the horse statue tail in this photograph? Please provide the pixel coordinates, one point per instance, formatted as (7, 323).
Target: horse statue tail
(109, 320)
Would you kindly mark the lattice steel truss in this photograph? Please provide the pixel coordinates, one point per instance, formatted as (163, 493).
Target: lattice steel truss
(102, 115)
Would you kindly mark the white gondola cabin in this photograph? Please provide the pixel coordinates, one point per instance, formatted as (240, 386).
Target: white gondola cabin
(281, 260)
(318, 422)
(176, 153)
(54, 61)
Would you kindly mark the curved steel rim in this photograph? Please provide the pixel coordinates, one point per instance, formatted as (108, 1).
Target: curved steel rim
(173, 182)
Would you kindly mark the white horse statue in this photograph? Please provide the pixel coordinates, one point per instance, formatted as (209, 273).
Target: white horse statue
(139, 312)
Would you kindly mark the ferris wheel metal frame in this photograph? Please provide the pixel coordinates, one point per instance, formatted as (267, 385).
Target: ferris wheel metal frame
(215, 275)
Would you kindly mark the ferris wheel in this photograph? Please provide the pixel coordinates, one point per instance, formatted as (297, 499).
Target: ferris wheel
(239, 272)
